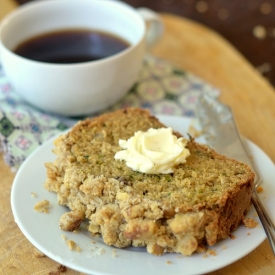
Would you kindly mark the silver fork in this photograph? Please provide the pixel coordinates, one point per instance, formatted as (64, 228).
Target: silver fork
(222, 135)
(265, 219)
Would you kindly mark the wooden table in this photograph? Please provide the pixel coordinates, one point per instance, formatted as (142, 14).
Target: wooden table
(197, 49)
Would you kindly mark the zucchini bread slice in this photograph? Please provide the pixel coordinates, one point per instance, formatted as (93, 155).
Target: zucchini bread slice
(201, 202)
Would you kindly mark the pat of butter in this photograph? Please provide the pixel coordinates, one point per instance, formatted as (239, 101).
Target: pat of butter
(156, 151)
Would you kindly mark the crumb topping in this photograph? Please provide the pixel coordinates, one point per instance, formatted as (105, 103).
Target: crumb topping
(177, 212)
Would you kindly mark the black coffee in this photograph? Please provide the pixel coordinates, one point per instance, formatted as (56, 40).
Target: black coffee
(71, 46)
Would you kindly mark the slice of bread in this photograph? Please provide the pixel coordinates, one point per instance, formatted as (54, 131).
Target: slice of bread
(203, 201)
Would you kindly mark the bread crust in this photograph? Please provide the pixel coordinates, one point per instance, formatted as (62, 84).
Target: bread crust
(203, 201)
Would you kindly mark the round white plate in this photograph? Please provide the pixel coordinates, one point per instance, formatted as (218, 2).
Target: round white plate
(95, 257)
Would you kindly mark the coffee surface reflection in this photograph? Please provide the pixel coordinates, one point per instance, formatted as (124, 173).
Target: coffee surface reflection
(71, 46)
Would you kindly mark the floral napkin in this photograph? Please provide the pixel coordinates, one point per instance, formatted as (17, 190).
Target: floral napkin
(161, 87)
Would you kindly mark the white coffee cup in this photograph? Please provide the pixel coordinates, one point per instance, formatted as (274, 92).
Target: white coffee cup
(79, 88)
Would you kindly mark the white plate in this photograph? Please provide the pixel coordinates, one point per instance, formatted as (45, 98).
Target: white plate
(95, 257)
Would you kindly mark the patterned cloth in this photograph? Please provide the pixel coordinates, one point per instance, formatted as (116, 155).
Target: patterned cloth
(161, 88)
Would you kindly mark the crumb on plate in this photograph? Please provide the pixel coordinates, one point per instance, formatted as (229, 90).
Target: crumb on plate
(42, 206)
(259, 189)
(211, 252)
(100, 251)
(250, 223)
(114, 254)
(63, 237)
(71, 244)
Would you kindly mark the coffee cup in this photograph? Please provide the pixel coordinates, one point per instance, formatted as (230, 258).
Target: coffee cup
(79, 87)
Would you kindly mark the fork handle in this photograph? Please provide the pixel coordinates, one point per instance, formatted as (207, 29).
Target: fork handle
(266, 221)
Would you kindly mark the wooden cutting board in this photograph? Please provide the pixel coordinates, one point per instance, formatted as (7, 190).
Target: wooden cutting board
(197, 49)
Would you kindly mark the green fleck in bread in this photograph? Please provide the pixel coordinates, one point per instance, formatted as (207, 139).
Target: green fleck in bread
(203, 201)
